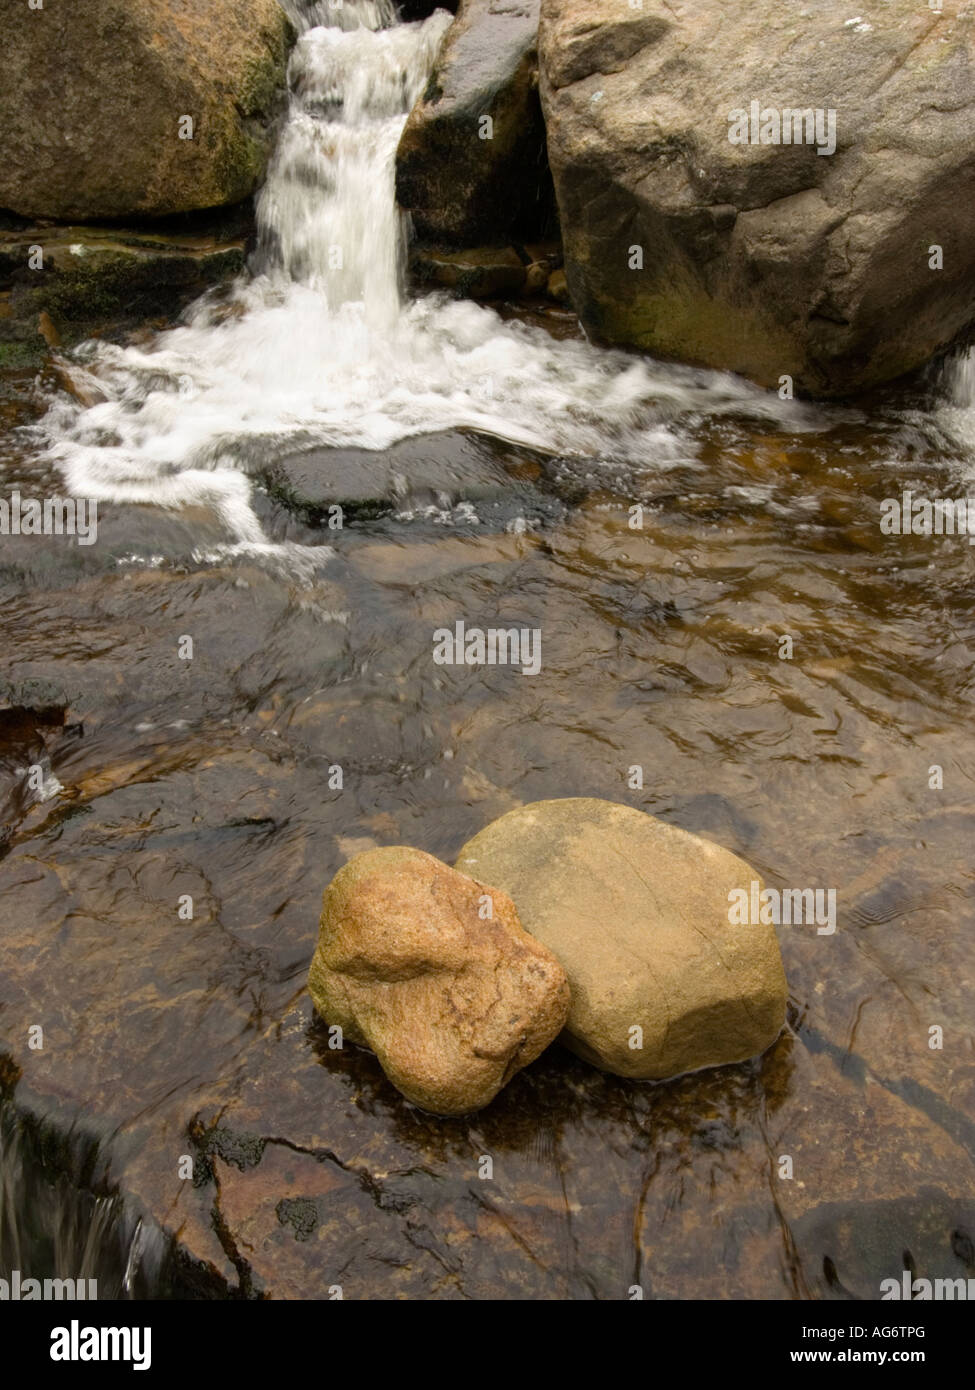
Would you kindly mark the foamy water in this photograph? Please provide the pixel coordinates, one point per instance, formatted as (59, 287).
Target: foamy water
(323, 346)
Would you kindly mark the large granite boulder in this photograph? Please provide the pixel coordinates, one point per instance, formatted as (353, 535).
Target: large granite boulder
(95, 97)
(471, 164)
(693, 230)
(434, 973)
(637, 911)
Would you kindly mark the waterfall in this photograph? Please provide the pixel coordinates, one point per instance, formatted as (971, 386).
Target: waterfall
(53, 1226)
(319, 345)
(327, 215)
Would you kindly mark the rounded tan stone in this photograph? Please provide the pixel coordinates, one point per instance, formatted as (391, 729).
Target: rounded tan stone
(433, 972)
(637, 911)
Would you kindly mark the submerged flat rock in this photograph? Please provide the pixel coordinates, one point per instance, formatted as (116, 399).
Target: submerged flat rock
(167, 1038)
(430, 471)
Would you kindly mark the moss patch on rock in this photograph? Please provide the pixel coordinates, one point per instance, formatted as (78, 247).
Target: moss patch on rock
(87, 274)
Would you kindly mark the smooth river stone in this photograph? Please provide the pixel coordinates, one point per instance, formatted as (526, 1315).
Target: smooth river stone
(453, 1002)
(637, 912)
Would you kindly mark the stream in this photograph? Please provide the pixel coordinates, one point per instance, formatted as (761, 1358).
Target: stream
(664, 528)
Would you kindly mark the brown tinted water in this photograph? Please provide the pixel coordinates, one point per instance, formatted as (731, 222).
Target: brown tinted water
(660, 649)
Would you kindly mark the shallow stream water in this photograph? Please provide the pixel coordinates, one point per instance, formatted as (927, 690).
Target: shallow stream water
(215, 777)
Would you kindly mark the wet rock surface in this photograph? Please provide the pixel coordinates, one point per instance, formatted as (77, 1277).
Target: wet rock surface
(85, 276)
(478, 273)
(167, 1038)
(429, 475)
(488, 272)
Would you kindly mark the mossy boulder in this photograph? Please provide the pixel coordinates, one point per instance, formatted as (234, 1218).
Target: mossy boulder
(86, 274)
(97, 101)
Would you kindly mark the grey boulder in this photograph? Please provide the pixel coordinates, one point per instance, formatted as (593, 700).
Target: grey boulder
(767, 258)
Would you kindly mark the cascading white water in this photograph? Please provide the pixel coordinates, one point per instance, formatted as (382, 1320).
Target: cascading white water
(323, 347)
(326, 216)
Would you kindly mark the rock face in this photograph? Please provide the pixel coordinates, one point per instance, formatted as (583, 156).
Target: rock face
(637, 912)
(452, 1004)
(475, 273)
(471, 164)
(99, 135)
(769, 259)
(486, 272)
(89, 272)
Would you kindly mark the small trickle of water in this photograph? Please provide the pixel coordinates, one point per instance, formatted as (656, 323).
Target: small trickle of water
(950, 420)
(958, 380)
(51, 1227)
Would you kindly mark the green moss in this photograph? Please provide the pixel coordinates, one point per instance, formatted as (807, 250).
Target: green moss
(301, 1214)
(676, 318)
(264, 76)
(107, 282)
(242, 1150)
(15, 356)
(260, 84)
(241, 166)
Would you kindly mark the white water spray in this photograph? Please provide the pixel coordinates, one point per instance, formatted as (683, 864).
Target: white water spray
(322, 348)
